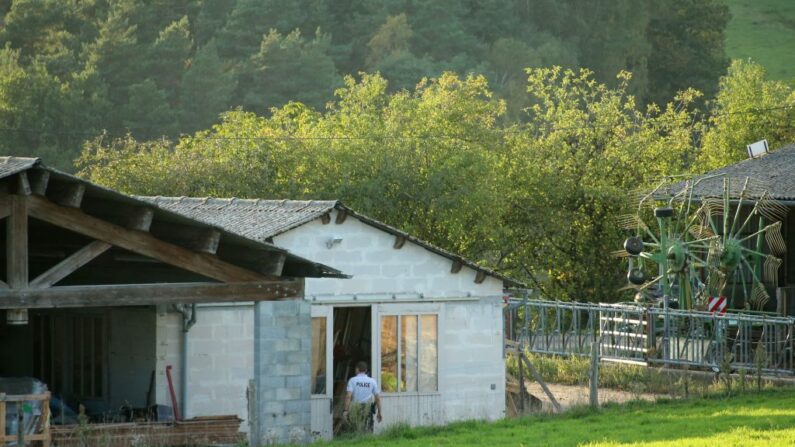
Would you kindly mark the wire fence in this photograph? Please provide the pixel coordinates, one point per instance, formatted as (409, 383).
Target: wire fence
(651, 335)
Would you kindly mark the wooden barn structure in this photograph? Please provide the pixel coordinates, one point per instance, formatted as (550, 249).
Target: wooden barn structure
(92, 279)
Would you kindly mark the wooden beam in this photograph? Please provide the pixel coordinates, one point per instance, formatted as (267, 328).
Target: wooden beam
(139, 218)
(457, 266)
(400, 241)
(17, 243)
(150, 294)
(5, 205)
(39, 178)
(480, 276)
(342, 214)
(203, 240)
(138, 242)
(22, 186)
(325, 218)
(276, 266)
(67, 266)
(67, 194)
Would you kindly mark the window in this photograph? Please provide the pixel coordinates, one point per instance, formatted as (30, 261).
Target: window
(409, 353)
(318, 355)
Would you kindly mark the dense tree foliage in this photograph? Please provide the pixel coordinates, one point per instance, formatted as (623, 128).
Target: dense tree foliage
(167, 68)
(511, 131)
(537, 199)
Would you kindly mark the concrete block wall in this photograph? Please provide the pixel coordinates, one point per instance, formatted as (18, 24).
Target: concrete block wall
(220, 360)
(471, 350)
(168, 345)
(367, 253)
(281, 372)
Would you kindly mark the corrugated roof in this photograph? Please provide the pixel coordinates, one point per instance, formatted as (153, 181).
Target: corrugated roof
(772, 172)
(264, 219)
(304, 267)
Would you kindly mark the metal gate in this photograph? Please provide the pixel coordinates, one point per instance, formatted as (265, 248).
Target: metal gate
(651, 335)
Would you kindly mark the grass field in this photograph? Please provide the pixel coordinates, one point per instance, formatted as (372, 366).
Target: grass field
(763, 30)
(752, 419)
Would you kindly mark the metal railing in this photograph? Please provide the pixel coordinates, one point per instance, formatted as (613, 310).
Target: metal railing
(638, 334)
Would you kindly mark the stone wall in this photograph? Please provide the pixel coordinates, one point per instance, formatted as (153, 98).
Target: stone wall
(282, 366)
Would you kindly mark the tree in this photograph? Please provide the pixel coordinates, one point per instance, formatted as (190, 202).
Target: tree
(747, 108)
(392, 36)
(169, 55)
(37, 111)
(147, 112)
(115, 56)
(572, 167)
(687, 39)
(289, 68)
(205, 90)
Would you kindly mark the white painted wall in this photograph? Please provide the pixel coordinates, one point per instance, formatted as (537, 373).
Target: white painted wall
(366, 253)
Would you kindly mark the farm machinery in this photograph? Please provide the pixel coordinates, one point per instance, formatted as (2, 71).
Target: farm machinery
(705, 253)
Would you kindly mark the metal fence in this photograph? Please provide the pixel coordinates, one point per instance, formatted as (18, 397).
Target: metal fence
(651, 335)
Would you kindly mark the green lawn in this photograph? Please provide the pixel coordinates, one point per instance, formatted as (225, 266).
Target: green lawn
(764, 419)
(763, 30)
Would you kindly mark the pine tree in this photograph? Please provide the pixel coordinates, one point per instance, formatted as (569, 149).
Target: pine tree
(169, 56)
(289, 68)
(147, 113)
(206, 90)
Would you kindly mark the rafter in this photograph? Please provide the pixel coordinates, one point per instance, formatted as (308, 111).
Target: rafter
(67, 194)
(139, 242)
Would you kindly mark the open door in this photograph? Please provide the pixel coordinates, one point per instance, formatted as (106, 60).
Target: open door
(322, 325)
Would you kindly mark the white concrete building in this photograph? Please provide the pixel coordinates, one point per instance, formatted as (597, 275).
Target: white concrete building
(427, 321)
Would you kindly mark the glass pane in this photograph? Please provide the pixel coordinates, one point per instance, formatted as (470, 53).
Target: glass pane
(318, 355)
(389, 354)
(429, 356)
(408, 353)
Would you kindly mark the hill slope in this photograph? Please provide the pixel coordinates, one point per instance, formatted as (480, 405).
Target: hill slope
(763, 30)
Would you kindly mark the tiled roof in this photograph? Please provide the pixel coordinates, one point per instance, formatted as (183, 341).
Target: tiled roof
(12, 165)
(264, 219)
(773, 172)
(255, 219)
(295, 265)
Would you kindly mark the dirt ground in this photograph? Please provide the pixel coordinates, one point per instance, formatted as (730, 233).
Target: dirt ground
(569, 395)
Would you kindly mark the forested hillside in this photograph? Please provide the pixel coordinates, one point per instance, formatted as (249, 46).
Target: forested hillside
(71, 69)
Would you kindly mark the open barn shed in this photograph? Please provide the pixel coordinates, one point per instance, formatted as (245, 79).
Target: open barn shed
(98, 289)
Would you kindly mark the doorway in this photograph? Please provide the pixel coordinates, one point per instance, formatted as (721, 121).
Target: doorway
(341, 337)
(352, 344)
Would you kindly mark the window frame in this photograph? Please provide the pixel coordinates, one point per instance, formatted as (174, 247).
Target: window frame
(418, 313)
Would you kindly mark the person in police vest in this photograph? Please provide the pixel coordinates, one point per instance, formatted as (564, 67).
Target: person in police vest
(362, 400)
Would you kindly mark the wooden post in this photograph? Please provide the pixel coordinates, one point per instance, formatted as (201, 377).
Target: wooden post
(2, 417)
(541, 382)
(522, 390)
(594, 385)
(17, 244)
(20, 423)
